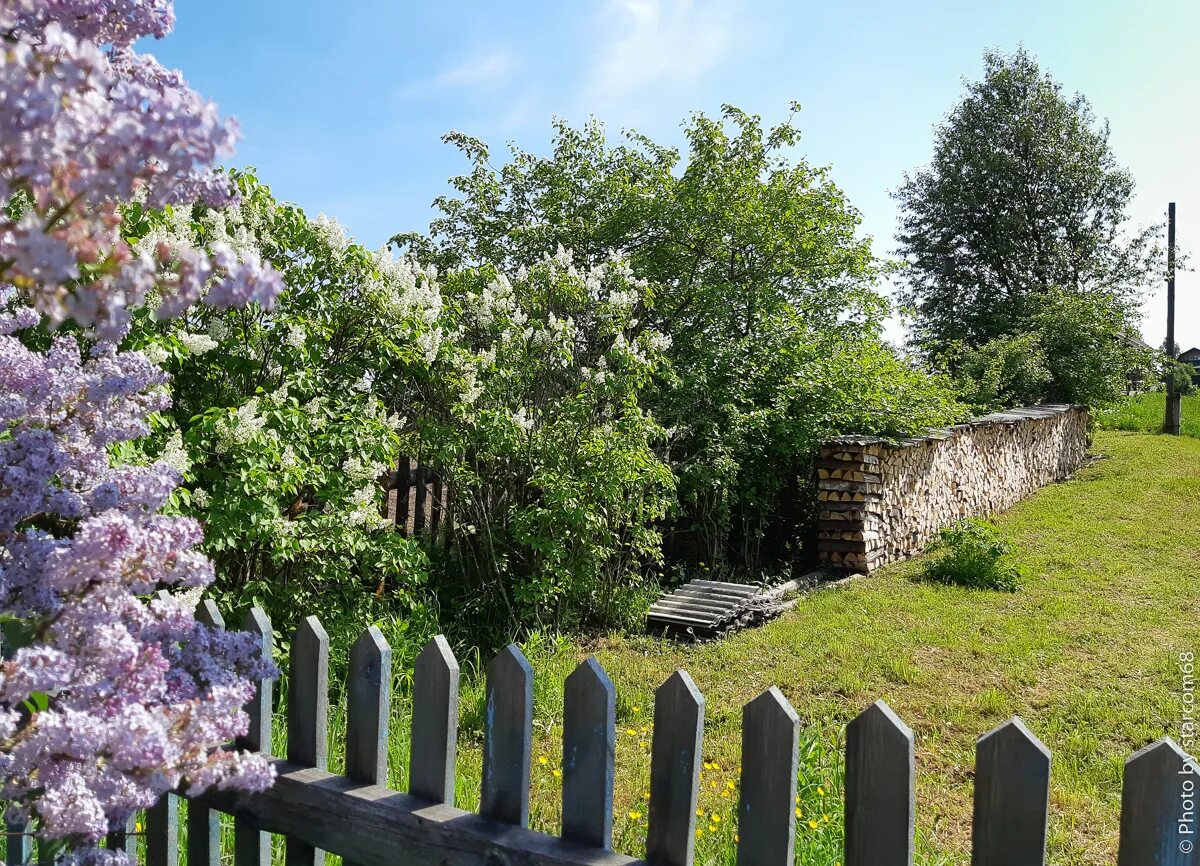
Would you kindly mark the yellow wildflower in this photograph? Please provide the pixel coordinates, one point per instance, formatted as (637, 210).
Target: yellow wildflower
(813, 825)
(712, 828)
(542, 759)
(699, 833)
(820, 791)
(725, 793)
(557, 773)
(631, 732)
(799, 814)
(716, 819)
(825, 819)
(699, 813)
(635, 814)
(637, 709)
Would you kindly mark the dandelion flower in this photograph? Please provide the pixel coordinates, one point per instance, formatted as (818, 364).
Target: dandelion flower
(542, 759)
(557, 773)
(699, 833)
(825, 819)
(799, 814)
(637, 709)
(820, 791)
(813, 825)
(716, 819)
(635, 814)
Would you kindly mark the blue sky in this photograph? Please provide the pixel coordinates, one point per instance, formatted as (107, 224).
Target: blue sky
(342, 104)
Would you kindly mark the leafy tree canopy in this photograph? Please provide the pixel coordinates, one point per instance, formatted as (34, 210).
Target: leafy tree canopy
(1023, 195)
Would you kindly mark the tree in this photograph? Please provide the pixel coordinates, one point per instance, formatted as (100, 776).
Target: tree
(1023, 195)
(756, 273)
(1075, 348)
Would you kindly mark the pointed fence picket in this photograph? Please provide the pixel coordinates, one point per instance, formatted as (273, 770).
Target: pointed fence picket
(355, 815)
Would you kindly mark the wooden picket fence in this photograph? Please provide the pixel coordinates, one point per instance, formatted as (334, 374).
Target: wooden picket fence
(354, 814)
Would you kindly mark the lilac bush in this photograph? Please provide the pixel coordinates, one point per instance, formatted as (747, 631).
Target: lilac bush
(111, 692)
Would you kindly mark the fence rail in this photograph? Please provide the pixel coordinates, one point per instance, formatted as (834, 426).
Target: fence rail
(353, 814)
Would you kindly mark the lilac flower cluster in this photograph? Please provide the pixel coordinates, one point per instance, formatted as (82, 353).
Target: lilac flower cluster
(84, 127)
(111, 692)
(140, 693)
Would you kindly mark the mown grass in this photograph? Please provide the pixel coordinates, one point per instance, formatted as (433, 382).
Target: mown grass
(1085, 653)
(1144, 413)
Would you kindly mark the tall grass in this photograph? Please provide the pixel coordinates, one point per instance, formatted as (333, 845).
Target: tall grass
(1144, 413)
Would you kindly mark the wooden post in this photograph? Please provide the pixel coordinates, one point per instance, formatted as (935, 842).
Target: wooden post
(767, 808)
(507, 738)
(675, 771)
(403, 488)
(308, 716)
(19, 843)
(589, 748)
(1012, 797)
(434, 723)
(1174, 401)
(1158, 808)
(252, 847)
(880, 789)
(368, 701)
(203, 824)
(162, 832)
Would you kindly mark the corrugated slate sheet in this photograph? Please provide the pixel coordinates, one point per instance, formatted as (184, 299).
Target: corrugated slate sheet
(704, 607)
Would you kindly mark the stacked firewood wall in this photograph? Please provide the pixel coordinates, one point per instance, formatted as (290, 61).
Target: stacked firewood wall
(881, 501)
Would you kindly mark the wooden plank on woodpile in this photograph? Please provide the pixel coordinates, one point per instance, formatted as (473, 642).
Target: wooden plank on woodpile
(766, 809)
(507, 738)
(308, 716)
(434, 723)
(589, 748)
(1012, 796)
(675, 771)
(880, 789)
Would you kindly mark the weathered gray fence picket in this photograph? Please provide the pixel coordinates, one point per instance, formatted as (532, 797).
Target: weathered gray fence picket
(354, 814)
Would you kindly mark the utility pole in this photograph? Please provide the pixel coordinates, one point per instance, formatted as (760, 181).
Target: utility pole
(1171, 422)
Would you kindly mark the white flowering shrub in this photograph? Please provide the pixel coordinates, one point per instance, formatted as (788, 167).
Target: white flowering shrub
(291, 417)
(558, 484)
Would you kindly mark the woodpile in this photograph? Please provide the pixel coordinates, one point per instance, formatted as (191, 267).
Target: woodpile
(881, 500)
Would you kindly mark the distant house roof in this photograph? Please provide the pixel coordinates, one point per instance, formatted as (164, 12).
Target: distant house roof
(1192, 354)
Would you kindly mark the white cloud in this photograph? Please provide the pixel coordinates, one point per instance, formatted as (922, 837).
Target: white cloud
(486, 69)
(660, 43)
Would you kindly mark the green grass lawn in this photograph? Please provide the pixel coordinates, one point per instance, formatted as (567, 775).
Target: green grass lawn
(1144, 412)
(1085, 653)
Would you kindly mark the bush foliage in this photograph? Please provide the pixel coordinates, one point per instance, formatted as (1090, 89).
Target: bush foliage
(618, 361)
(973, 553)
